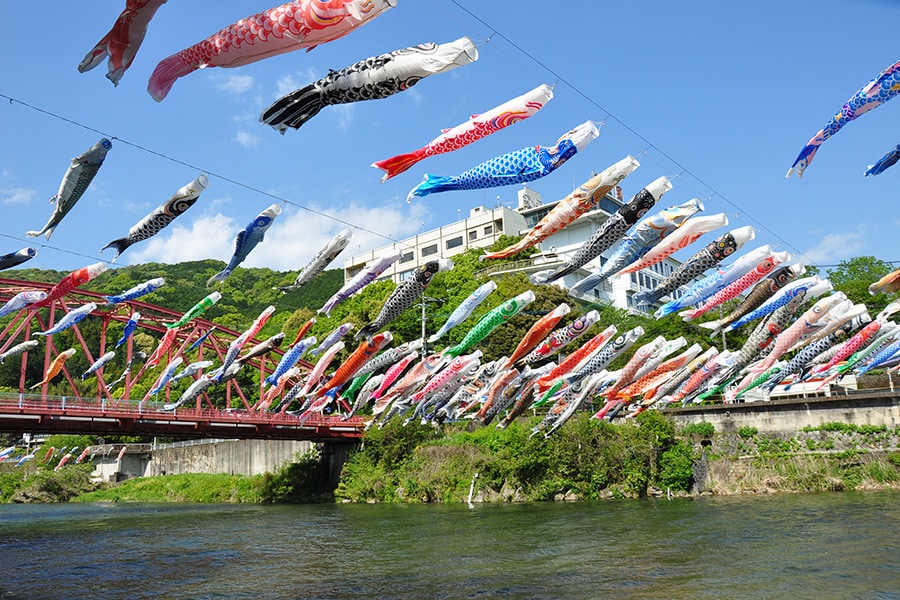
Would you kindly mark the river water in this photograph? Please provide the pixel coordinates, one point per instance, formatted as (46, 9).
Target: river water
(841, 545)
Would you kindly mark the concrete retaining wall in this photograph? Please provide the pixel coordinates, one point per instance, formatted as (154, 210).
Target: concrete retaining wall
(235, 457)
(785, 416)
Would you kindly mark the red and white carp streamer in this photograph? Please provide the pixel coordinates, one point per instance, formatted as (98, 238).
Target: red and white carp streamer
(477, 127)
(291, 26)
(122, 42)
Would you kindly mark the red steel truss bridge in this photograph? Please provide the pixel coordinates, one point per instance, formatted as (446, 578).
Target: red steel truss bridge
(229, 412)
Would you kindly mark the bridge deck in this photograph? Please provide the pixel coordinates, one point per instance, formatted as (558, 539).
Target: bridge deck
(48, 414)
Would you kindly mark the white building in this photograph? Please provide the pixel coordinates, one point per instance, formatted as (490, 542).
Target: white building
(484, 225)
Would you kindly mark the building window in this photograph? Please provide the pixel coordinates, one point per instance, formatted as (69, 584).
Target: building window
(473, 235)
(429, 250)
(407, 256)
(406, 275)
(488, 230)
(454, 242)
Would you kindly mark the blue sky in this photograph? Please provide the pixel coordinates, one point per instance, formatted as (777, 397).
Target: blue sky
(718, 96)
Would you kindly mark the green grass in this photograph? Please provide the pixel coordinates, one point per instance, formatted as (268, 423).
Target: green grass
(187, 487)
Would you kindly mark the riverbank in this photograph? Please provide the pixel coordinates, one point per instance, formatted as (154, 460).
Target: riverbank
(586, 460)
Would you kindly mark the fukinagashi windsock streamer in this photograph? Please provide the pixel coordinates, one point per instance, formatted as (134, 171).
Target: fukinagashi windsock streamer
(477, 127)
(164, 214)
(882, 88)
(291, 26)
(123, 40)
(610, 231)
(582, 199)
(321, 260)
(247, 239)
(75, 182)
(8, 261)
(371, 79)
(521, 166)
(637, 242)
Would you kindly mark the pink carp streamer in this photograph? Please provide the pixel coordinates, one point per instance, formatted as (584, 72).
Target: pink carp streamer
(477, 127)
(291, 26)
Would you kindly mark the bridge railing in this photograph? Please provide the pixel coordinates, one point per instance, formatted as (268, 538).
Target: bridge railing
(56, 405)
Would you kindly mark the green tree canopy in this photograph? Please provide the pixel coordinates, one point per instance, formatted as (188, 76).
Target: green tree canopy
(853, 277)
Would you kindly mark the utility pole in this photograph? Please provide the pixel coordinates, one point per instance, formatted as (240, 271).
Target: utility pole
(423, 300)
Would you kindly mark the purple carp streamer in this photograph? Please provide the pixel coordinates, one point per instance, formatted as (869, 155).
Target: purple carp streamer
(374, 78)
(875, 93)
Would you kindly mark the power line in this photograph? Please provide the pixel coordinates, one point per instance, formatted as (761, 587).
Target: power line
(627, 127)
(178, 161)
(647, 144)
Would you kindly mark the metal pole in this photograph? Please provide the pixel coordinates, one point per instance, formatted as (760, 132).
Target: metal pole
(423, 326)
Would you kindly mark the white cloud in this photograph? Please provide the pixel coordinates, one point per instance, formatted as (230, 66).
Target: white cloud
(835, 247)
(17, 195)
(417, 98)
(208, 237)
(289, 83)
(291, 242)
(246, 139)
(236, 84)
(345, 115)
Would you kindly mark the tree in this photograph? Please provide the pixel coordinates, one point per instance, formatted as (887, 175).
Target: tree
(853, 277)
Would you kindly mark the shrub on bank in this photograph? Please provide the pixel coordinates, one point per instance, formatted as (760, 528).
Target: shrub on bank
(586, 459)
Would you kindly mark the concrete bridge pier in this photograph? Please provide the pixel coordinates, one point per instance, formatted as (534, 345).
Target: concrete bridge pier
(334, 455)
